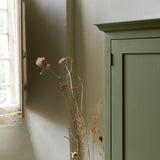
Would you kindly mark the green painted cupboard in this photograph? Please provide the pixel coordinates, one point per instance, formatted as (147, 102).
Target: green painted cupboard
(132, 90)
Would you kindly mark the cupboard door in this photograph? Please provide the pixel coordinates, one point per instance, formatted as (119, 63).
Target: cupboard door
(135, 99)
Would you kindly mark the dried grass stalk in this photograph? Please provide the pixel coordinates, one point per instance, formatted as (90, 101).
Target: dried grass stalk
(80, 131)
(79, 127)
(85, 131)
(94, 127)
(79, 123)
(78, 154)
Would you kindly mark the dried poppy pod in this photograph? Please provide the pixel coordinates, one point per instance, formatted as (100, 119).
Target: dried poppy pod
(42, 62)
(74, 155)
(101, 138)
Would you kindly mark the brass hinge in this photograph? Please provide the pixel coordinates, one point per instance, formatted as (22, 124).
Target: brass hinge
(111, 59)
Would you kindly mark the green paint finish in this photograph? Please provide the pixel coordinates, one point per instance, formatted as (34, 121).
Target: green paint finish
(135, 99)
(130, 25)
(108, 142)
(141, 106)
(132, 90)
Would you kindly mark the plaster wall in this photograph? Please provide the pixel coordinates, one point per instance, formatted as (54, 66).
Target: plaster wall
(47, 116)
(15, 143)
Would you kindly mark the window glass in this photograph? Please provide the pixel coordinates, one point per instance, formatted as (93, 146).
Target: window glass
(3, 22)
(4, 72)
(3, 4)
(3, 46)
(10, 76)
(4, 96)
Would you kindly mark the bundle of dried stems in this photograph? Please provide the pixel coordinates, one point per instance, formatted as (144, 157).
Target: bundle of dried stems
(80, 138)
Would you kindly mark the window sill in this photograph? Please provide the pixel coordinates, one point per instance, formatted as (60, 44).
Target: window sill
(9, 116)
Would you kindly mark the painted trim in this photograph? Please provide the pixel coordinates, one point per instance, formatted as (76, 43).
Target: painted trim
(130, 25)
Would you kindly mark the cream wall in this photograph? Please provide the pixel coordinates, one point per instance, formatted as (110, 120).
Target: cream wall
(46, 112)
(15, 142)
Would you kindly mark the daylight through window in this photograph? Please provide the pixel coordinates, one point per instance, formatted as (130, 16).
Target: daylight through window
(10, 77)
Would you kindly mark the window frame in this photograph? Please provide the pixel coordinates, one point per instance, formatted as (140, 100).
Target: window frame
(20, 104)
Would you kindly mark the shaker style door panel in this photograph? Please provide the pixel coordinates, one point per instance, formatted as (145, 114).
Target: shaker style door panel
(135, 97)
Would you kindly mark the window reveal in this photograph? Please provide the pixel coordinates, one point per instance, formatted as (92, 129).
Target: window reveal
(10, 77)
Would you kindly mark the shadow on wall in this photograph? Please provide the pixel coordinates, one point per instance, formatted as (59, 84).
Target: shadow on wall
(46, 33)
(80, 60)
(89, 53)
(47, 115)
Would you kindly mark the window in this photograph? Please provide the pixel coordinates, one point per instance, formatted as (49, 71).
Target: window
(10, 77)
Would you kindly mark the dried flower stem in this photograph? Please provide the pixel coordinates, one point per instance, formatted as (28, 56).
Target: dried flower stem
(69, 72)
(80, 80)
(71, 142)
(76, 140)
(69, 75)
(80, 129)
(85, 131)
(69, 104)
(84, 126)
(94, 128)
(77, 107)
(73, 146)
(59, 77)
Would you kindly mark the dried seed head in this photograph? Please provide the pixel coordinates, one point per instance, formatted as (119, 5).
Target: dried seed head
(74, 155)
(101, 138)
(63, 85)
(62, 60)
(41, 62)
